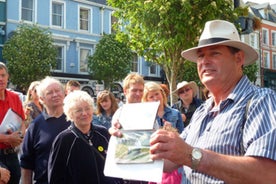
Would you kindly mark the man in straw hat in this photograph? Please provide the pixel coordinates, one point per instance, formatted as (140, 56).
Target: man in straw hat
(231, 137)
(187, 102)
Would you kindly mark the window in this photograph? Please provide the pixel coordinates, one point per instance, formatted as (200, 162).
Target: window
(84, 53)
(266, 60)
(134, 63)
(153, 69)
(253, 40)
(265, 36)
(27, 11)
(274, 61)
(60, 58)
(84, 19)
(57, 14)
(273, 36)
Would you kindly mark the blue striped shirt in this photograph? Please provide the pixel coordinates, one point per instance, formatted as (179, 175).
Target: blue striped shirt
(229, 130)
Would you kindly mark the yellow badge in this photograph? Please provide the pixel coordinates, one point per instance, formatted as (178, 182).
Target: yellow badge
(100, 148)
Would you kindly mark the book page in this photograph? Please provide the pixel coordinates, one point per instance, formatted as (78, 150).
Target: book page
(133, 147)
(151, 171)
(138, 116)
(12, 121)
(128, 157)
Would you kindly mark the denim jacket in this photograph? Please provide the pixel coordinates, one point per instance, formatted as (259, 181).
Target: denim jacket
(173, 116)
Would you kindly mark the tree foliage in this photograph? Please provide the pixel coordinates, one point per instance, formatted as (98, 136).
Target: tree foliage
(30, 55)
(111, 60)
(160, 29)
(251, 71)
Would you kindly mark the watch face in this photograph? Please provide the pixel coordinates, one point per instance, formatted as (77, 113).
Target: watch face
(197, 154)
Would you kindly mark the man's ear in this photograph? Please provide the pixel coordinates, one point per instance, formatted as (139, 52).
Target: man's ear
(240, 57)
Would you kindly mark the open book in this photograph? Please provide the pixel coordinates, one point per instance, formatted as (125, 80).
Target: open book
(12, 121)
(128, 157)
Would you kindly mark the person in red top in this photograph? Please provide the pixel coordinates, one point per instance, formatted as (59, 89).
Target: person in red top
(11, 139)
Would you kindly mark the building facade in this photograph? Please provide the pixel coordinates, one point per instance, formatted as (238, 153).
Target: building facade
(264, 40)
(76, 26)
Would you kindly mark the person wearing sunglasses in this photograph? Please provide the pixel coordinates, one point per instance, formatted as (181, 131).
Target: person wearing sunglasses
(188, 102)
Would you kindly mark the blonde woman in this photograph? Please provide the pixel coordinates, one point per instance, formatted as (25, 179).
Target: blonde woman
(32, 105)
(154, 92)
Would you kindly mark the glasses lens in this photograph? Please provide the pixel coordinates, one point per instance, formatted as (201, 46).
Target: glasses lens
(184, 91)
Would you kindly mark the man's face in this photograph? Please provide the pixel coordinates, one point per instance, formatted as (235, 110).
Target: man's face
(53, 96)
(217, 66)
(134, 93)
(4, 76)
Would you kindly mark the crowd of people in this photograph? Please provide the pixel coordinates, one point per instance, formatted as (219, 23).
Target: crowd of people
(227, 137)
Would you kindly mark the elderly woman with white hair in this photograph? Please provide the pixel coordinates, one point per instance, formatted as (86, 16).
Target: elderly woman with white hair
(78, 153)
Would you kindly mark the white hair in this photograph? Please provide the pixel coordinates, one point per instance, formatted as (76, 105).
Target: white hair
(45, 83)
(74, 98)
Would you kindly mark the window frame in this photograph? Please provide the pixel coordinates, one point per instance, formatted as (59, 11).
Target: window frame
(33, 11)
(62, 15)
(266, 60)
(63, 58)
(80, 61)
(265, 36)
(89, 19)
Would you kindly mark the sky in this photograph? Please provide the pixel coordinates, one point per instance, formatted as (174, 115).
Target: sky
(261, 1)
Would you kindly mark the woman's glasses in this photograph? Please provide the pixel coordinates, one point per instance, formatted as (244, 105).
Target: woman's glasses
(184, 91)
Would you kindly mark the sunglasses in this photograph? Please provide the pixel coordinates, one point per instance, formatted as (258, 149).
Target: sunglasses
(184, 91)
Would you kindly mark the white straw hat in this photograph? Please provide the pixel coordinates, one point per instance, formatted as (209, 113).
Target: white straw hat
(220, 32)
(191, 84)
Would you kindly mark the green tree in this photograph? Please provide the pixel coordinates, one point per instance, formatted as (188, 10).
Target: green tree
(111, 60)
(159, 30)
(30, 55)
(251, 71)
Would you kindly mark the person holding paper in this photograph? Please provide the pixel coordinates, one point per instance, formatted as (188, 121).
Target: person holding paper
(231, 136)
(133, 86)
(42, 132)
(11, 139)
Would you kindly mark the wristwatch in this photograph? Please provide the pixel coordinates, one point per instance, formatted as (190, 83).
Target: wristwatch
(196, 157)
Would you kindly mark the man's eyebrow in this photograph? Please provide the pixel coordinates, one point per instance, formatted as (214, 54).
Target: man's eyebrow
(210, 48)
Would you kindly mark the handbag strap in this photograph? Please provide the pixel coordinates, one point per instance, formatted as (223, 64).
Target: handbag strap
(91, 146)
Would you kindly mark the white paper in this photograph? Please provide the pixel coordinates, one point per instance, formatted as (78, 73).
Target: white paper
(143, 172)
(134, 116)
(12, 121)
(138, 116)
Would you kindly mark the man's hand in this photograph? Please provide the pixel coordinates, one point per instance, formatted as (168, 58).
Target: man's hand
(14, 138)
(5, 175)
(115, 129)
(169, 145)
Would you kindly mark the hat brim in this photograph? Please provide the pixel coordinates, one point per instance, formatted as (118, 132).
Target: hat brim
(250, 54)
(192, 84)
